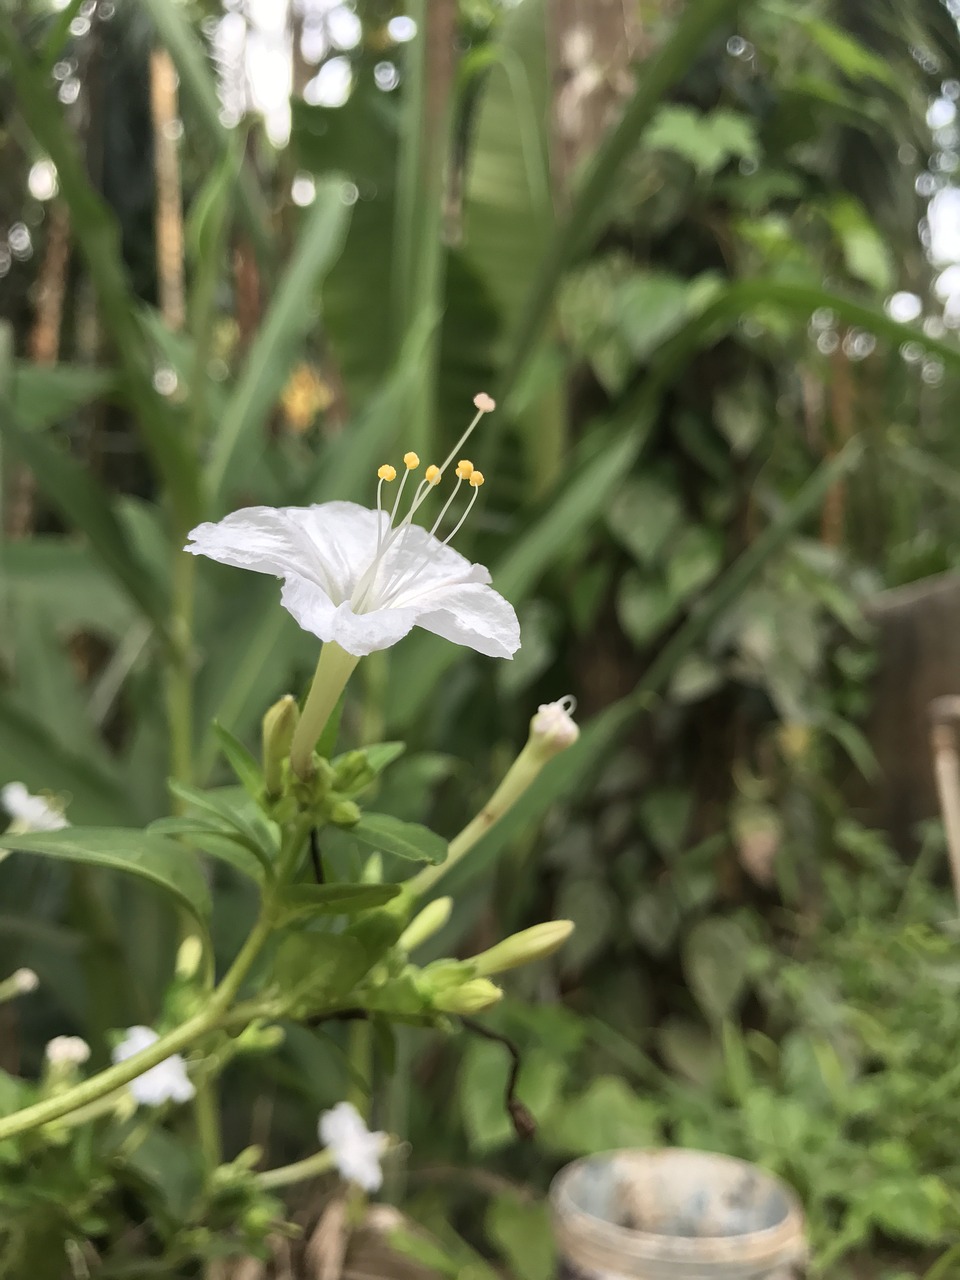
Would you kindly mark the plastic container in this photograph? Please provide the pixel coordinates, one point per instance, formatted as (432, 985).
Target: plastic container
(675, 1215)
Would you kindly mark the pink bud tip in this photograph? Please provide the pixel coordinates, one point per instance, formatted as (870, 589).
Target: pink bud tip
(485, 403)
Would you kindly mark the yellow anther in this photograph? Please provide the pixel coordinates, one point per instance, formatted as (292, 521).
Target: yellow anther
(464, 469)
(476, 479)
(411, 460)
(387, 472)
(432, 474)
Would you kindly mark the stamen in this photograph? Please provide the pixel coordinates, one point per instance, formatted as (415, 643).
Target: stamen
(459, 525)
(464, 469)
(447, 504)
(388, 473)
(485, 403)
(476, 479)
(411, 460)
(434, 474)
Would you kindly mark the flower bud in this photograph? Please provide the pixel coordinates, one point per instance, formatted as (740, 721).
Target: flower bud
(352, 772)
(471, 997)
(423, 926)
(25, 981)
(344, 813)
(67, 1051)
(189, 957)
(279, 726)
(553, 728)
(524, 947)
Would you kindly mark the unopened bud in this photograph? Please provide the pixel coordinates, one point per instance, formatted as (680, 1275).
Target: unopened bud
(344, 813)
(189, 957)
(25, 981)
(524, 947)
(471, 997)
(553, 728)
(352, 772)
(423, 926)
(67, 1051)
(279, 726)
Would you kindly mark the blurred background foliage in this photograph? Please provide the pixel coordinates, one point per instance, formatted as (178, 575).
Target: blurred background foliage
(693, 252)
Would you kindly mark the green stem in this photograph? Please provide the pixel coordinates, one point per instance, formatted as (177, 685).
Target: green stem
(518, 778)
(180, 677)
(288, 1174)
(360, 1055)
(334, 669)
(174, 1041)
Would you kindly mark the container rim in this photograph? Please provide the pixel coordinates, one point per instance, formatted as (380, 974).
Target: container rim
(783, 1241)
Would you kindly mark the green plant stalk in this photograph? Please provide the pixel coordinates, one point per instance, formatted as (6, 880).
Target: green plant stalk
(289, 1174)
(98, 1086)
(518, 778)
(334, 668)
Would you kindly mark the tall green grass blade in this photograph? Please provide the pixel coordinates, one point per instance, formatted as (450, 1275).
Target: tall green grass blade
(98, 237)
(292, 314)
(87, 506)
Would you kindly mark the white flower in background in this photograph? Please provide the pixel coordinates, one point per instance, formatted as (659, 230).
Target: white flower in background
(363, 578)
(70, 1051)
(356, 1151)
(553, 728)
(166, 1082)
(29, 812)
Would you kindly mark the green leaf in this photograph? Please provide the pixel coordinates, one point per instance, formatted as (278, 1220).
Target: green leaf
(695, 558)
(522, 1232)
(241, 761)
(599, 187)
(220, 844)
(865, 252)
(607, 1115)
(382, 754)
(151, 857)
(301, 901)
(40, 396)
(708, 141)
(32, 754)
(293, 312)
(314, 969)
(643, 608)
(405, 839)
(232, 811)
(643, 516)
(89, 507)
(717, 961)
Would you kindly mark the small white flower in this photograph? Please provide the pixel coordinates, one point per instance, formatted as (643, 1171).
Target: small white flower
(67, 1051)
(29, 812)
(362, 578)
(166, 1082)
(356, 1151)
(553, 727)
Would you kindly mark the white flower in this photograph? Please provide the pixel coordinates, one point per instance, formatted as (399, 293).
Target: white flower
(356, 1151)
(29, 812)
(363, 579)
(553, 728)
(67, 1050)
(167, 1081)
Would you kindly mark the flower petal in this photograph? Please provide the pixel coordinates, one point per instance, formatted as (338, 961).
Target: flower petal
(476, 616)
(263, 539)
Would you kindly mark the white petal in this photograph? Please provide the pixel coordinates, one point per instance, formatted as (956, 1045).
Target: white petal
(475, 616)
(263, 539)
